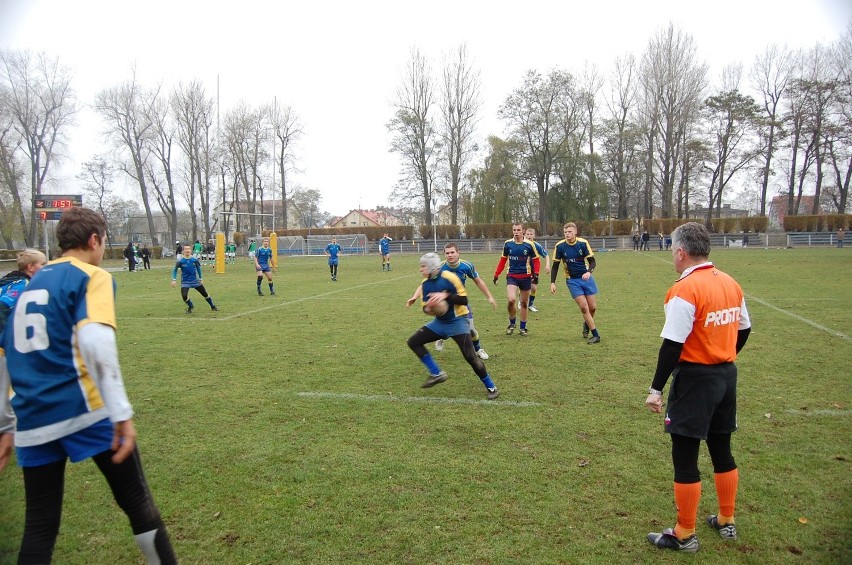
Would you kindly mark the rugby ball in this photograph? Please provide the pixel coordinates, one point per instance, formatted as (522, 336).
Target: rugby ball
(438, 309)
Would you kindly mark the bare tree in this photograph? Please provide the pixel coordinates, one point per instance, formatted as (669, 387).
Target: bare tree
(126, 109)
(460, 104)
(840, 145)
(193, 112)
(160, 169)
(96, 178)
(771, 75)
(621, 135)
(413, 129)
(41, 103)
(542, 115)
(246, 135)
(673, 81)
(286, 131)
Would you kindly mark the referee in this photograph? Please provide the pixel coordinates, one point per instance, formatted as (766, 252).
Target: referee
(706, 326)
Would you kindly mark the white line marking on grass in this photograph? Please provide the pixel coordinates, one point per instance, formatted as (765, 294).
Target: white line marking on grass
(221, 318)
(797, 317)
(414, 399)
(791, 314)
(821, 412)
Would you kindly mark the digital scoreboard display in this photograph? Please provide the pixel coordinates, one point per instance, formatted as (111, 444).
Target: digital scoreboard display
(50, 206)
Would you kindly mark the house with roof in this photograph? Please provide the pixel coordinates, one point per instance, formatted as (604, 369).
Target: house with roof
(364, 218)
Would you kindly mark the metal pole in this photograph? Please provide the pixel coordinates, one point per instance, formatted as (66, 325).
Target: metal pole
(46, 242)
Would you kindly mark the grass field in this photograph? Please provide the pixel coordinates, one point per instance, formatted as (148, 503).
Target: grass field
(293, 429)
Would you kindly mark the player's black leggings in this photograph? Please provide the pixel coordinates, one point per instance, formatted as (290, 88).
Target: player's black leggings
(685, 456)
(44, 486)
(184, 292)
(424, 335)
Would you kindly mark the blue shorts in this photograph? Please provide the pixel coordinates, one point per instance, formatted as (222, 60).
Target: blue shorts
(333, 261)
(264, 269)
(78, 446)
(444, 329)
(579, 287)
(522, 284)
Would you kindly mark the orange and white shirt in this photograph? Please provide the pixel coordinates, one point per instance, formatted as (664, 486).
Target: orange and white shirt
(705, 309)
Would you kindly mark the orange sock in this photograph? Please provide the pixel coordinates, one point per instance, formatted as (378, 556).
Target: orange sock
(726, 490)
(687, 496)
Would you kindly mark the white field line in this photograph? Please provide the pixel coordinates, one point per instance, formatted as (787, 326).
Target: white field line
(821, 412)
(415, 399)
(787, 312)
(220, 318)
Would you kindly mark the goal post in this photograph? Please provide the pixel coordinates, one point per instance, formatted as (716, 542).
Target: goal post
(350, 243)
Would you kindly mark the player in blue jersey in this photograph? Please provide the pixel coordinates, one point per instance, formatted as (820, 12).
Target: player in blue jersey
(463, 270)
(29, 262)
(264, 264)
(529, 234)
(61, 359)
(439, 286)
(190, 277)
(332, 250)
(574, 252)
(524, 264)
(384, 249)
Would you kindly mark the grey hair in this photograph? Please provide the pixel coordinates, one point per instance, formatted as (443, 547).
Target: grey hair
(431, 261)
(693, 238)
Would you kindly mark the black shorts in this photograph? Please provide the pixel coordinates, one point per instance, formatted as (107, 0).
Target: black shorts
(702, 400)
(522, 283)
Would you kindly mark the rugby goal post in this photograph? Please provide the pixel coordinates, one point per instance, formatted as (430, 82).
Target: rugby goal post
(350, 244)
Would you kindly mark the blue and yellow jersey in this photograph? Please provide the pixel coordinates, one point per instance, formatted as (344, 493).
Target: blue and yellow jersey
(520, 257)
(384, 245)
(462, 270)
(449, 282)
(333, 250)
(573, 256)
(540, 248)
(190, 271)
(263, 256)
(55, 395)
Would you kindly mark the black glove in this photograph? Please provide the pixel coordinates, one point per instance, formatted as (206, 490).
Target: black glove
(535, 278)
(496, 278)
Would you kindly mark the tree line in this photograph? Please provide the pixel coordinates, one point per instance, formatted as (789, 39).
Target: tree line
(653, 137)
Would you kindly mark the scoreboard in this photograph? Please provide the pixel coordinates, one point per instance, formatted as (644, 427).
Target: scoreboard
(50, 206)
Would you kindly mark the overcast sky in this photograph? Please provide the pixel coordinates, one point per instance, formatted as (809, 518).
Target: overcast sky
(338, 63)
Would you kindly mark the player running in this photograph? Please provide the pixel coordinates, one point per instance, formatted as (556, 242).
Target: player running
(439, 286)
(264, 264)
(190, 277)
(530, 236)
(524, 264)
(575, 252)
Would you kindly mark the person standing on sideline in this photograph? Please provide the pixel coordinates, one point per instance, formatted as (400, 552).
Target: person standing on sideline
(530, 235)
(575, 252)
(524, 264)
(439, 286)
(264, 264)
(252, 248)
(178, 249)
(130, 255)
(384, 249)
(190, 277)
(145, 253)
(332, 250)
(197, 249)
(636, 240)
(29, 262)
(840, 235)
(706, 325)
(463, 270)
(61, 361)
(645, 239)
(660, 239)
